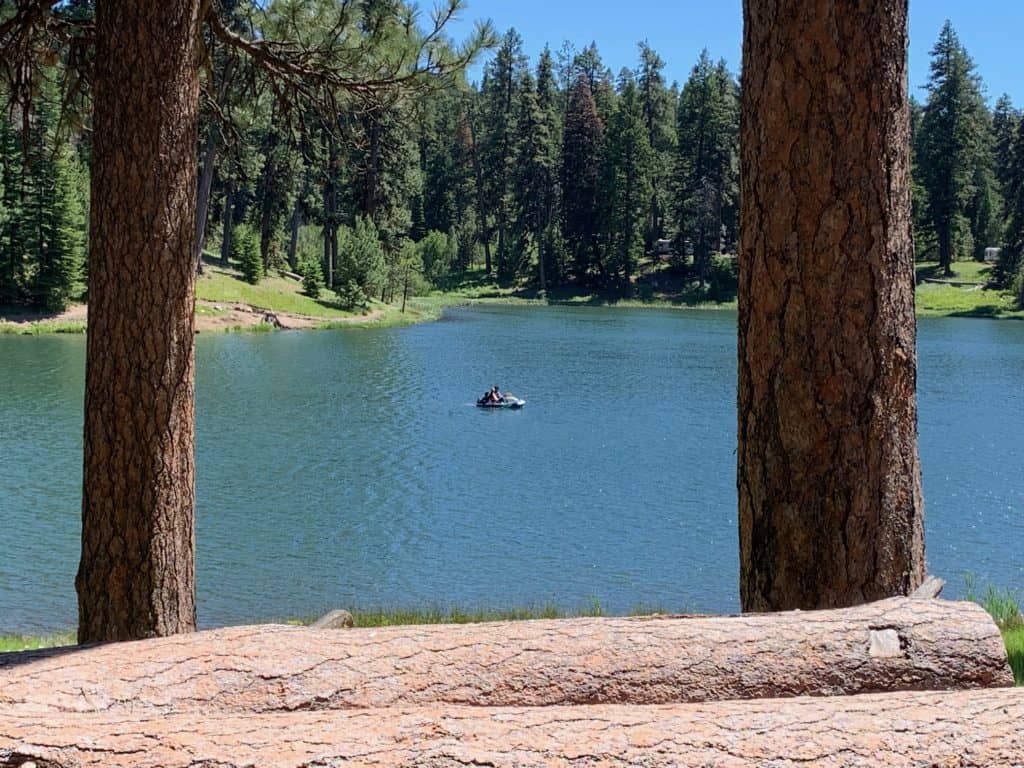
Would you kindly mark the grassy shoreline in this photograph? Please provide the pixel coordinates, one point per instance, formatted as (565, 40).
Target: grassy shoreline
(220, 289)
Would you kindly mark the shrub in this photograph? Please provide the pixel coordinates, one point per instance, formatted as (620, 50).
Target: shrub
(437, 255)
(246, 251)
(723, 277)
(351, 296)
(312, 276)
(360, 257)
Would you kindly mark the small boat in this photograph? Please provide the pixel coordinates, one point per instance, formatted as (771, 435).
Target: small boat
(509, 401)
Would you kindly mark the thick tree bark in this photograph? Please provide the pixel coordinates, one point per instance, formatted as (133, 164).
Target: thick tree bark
(830, 506)
(136, 575)
(899, 644)
(970, 729)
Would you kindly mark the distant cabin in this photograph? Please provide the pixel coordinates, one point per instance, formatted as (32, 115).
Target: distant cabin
(992, 255)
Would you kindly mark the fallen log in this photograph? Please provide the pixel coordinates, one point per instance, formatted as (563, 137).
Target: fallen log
(894, 645)
(976, 728)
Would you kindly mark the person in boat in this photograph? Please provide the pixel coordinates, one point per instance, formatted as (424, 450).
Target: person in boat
(493, 396)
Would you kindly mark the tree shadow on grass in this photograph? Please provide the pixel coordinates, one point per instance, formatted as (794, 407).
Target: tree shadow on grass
(13, 659)
(985, 311)
(17, 313)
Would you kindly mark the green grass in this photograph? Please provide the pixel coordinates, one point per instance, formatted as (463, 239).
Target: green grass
(398, 618)
(1005, 608)
(935, 300)
(1014, 639)
(26, 643)
(42, 327)
(274, 294)
(963, 271)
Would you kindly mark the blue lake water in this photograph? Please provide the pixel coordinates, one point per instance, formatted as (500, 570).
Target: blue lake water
(350, 468)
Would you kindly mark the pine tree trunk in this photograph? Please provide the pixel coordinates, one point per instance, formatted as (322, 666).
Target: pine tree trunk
(268, 191)
(136, 577)
(228, 224)
(945, 238)
(830, 506)
(331, 212)
(540, 261)
(203, 199)
(293, 240)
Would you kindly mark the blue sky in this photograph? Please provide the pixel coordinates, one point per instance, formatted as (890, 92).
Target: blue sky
(678, 29)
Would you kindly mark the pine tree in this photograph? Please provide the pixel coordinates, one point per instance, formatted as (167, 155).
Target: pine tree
(626, 184)
(1005, 120)
(659, 114)
(1011, 263)
(246, 245)
(13, 247)
(951, 144)
(588, 65)
(47, 233)
(445, 163)
(436, 253)
(312, 275)
(925, 245)
(385, 173)
(361, 258)
(466, 219)
(60, 259)
(536, 179)
(274, 192)
(706, 165)
(503, 83)
(581, 167)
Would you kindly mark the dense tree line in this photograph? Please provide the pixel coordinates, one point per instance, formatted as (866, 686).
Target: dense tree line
(552, 173)
(968, 168)
(43, 207)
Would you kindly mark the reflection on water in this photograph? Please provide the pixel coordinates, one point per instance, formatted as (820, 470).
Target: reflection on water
(350, 468)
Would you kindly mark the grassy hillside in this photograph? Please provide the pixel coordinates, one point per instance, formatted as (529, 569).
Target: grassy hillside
(974, 300)
(274, 293)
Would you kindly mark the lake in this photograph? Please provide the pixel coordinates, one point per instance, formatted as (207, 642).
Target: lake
(351, 468)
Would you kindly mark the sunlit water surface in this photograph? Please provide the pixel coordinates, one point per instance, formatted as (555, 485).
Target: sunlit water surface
(350, 468)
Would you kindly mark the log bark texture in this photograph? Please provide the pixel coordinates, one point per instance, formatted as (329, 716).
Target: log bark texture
(922, 729)
(136, 575)
(895, 645)
(830, 504)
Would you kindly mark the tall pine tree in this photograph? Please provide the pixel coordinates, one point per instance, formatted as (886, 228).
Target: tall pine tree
(626, 184)
(582, 145)
(536, 181)
(499, 100)
(658, 106)
(1011, 263)
(706, 161)
(951, 144)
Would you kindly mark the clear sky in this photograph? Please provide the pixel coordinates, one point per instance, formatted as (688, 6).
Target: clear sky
(992, 31)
